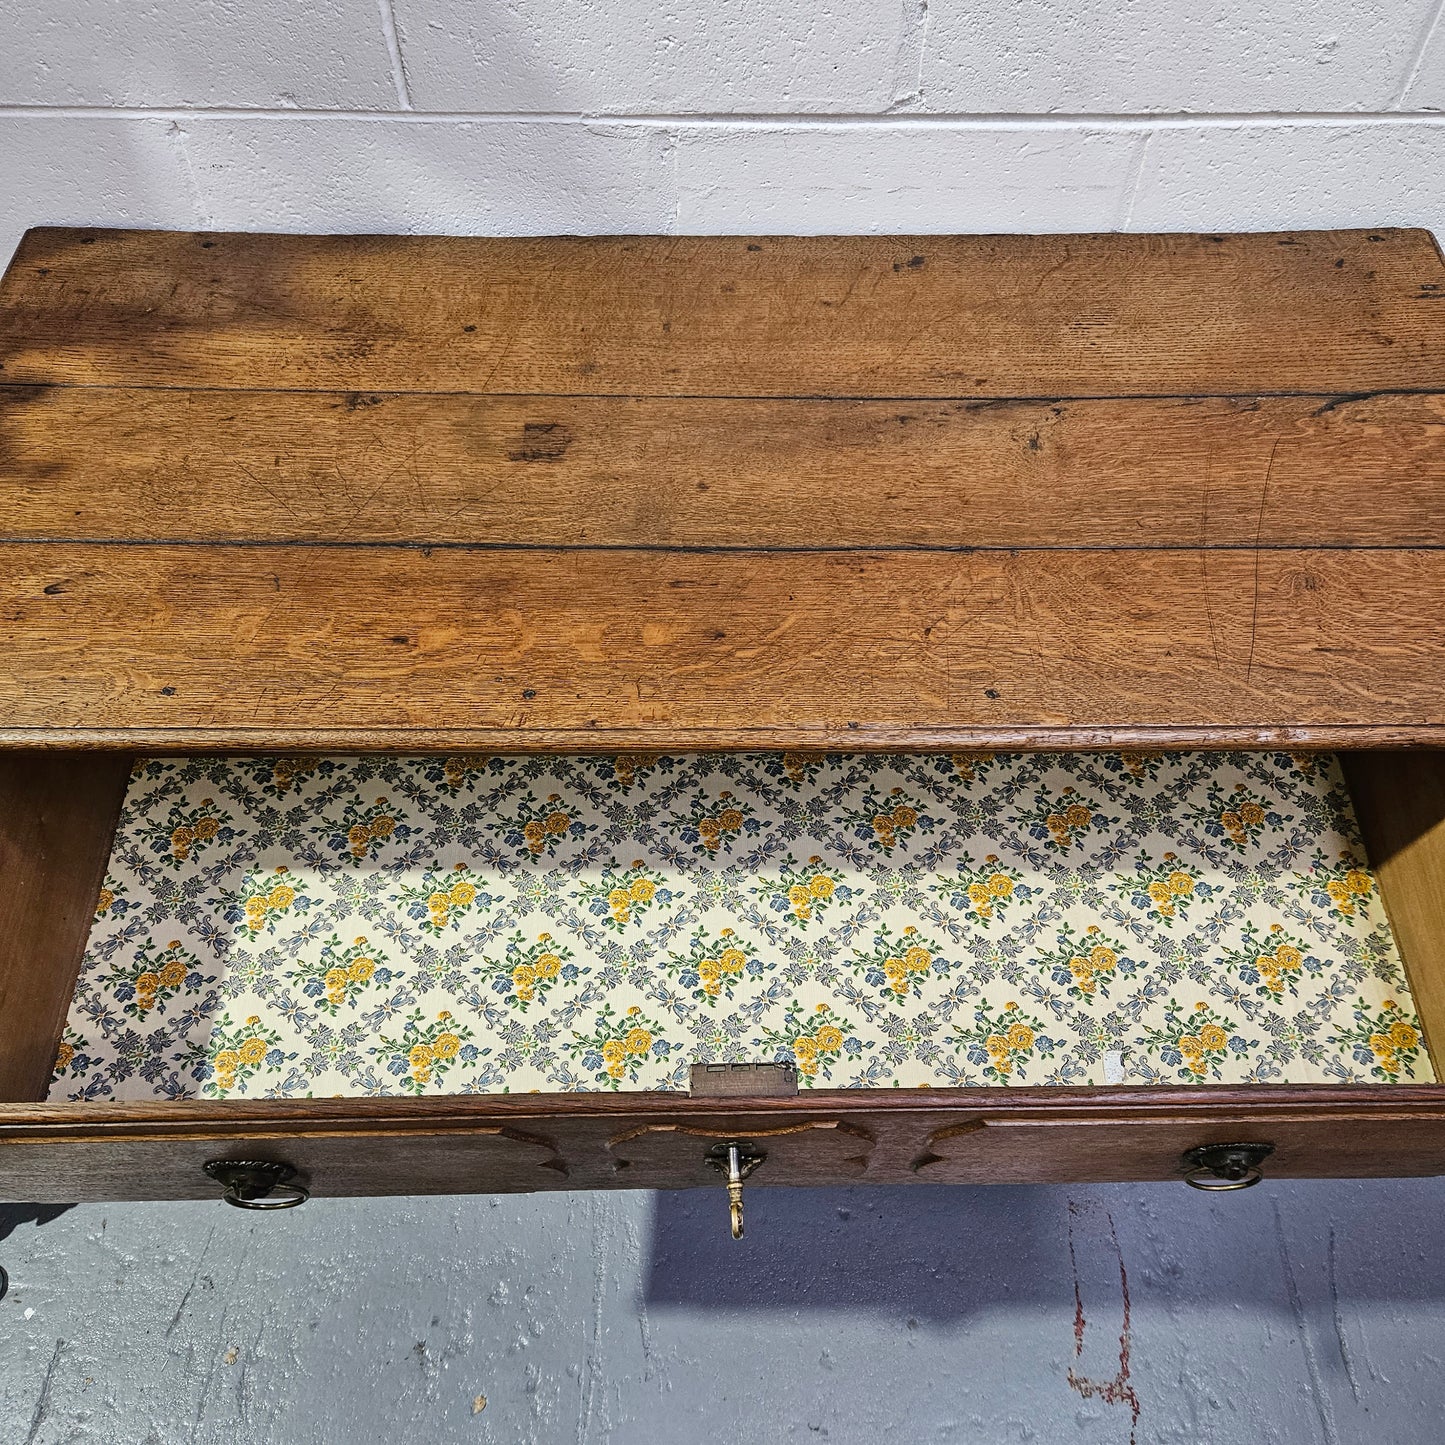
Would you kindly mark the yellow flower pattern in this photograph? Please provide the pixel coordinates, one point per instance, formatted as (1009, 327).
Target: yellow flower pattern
(620, 1046)
(1166, 889)
(443, 899)
(376, 925)
(264, 900)
(816, 1039)
(900, 964)
(363, 830)
(715, 824)
(240, 1054)
(984, 892)
(1341, 885)
(155, 977)
(290, 773)
(525, 969)
(422, 1055)
(1007, 1043)
(623, 898)
(713, 965)
(186, 832)
(343, 974)
(803, 895)
(1193, 1044)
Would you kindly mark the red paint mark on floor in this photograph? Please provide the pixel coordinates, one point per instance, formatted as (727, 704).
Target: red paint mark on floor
(1117, 1391)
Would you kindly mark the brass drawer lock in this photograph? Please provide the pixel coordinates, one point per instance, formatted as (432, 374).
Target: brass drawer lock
(257, 1183)
(1217, 1168)
(735, 1161)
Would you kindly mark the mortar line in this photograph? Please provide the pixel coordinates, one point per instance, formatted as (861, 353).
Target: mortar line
(759, 120)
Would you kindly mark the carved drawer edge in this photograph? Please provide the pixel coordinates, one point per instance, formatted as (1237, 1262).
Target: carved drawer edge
(830, 1128)
(942, 1136)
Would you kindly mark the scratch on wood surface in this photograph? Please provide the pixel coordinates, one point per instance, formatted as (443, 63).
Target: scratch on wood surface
(278, 497)
(1117, 1391)
(1204, 556)
(1258, 533)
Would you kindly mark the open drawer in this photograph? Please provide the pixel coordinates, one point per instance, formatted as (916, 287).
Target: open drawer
(432, 974)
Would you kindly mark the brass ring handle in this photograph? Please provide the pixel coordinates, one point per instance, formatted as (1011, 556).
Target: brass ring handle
(1220, 1168)
(1211, 1183)
(294, 1195)
(257, 1183)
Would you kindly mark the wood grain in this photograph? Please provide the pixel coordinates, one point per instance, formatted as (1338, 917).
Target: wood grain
(195, 647)
(148, 464)
(57, 819)
(1347, 1143)
(794, 1152)
(939, 316)
(1399, 800)
(61, 1153)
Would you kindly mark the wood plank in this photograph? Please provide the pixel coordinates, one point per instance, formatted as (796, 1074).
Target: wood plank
(1400, 803)
(187, 647)
(80, 462)
(935, 316)
(67, 1152)
(57, 819)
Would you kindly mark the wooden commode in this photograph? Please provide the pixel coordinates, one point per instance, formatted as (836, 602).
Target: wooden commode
(605, 501)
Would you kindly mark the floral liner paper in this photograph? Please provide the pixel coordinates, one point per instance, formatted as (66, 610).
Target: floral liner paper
(299, 927)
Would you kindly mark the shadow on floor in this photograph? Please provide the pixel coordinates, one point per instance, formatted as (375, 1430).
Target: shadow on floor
(12, 1216)
(911, 1251)
(953, 1252)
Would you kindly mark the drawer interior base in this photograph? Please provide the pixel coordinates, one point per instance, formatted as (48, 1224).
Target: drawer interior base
(312, 927)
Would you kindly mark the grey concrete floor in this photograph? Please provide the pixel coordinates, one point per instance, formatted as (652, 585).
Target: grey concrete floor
(1290, 1313)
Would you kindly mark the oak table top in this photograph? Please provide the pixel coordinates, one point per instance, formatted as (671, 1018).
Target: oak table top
(583, 494)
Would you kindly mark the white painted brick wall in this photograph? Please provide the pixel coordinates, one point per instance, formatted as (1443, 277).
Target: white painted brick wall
(902, 178)
(285, 53)
(535, 116)
(497, 177)
(623, 57)
(1252, 178)
(1170, 55)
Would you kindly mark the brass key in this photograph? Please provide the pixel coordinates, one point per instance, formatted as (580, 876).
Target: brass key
(735, 1162)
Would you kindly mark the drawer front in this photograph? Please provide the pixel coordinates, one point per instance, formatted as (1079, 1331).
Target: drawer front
(69, 1153)
(601, 1152)
(1120, 1148)
(488, 1160)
